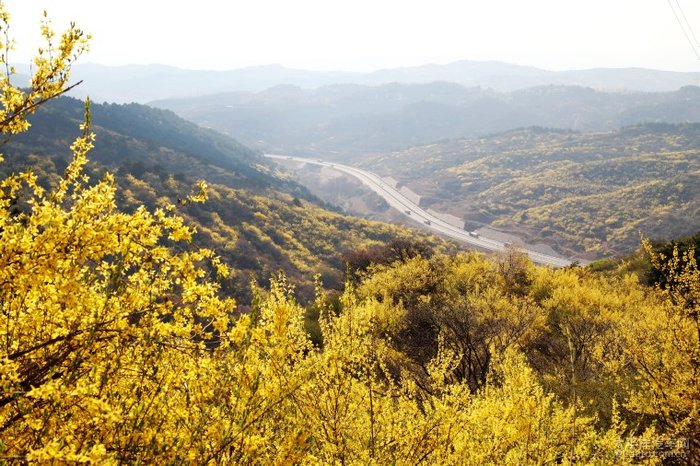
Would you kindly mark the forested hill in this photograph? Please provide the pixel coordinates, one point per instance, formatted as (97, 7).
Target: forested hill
(257, 221)
(591, 191)
(130, 133)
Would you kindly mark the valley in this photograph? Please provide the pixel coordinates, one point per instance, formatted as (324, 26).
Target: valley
(583, 171)
(467, 263)
(428, 220)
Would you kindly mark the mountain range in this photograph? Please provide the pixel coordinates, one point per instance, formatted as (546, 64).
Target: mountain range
(347, 119)
(143, 83)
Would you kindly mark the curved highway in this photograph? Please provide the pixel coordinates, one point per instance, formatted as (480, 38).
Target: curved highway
(408, 208)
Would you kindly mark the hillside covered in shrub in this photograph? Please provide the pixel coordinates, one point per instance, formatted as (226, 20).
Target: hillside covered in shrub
(593, 192)
(122, 340)
(258, 221)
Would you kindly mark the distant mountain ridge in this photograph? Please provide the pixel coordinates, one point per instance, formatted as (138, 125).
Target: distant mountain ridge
(143, 83)
(347, 119)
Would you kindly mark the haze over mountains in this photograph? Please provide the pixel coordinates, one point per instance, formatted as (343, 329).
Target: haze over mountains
(143, 83)
(348, 119)
(581, 187)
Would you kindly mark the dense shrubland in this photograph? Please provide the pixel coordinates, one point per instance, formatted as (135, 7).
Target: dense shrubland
(578, 192)
(119, 347)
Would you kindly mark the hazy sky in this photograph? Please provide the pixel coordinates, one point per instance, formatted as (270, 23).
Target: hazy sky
(363, 35)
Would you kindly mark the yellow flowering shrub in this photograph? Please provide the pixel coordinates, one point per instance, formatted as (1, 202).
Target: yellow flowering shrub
(50, 75)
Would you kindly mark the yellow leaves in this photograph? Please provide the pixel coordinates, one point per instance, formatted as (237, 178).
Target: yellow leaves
(201, 194)
(97, 316)
(171, 376)
(50, 390)
(50, 74)
(662, 340)
(681, 276)
(513, 421)
(73, 174)
(442, 366)
(56, 451)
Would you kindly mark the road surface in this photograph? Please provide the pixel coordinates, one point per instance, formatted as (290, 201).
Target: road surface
(399, 202)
